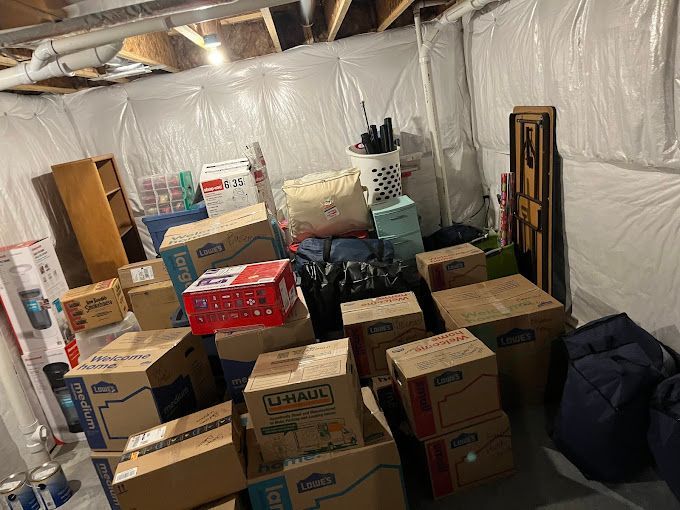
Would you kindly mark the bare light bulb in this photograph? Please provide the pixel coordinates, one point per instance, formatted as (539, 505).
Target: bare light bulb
(215, 56)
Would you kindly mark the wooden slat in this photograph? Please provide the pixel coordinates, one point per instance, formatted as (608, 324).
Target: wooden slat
(192, 35)
(389, 10)
(41, 87)
(335, 11)
(152, 49)
(271, 28)
(242, 18)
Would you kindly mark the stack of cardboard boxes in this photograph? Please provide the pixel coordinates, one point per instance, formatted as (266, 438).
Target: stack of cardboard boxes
(149, 293)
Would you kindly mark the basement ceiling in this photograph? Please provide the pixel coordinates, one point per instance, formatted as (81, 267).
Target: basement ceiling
(247, 35)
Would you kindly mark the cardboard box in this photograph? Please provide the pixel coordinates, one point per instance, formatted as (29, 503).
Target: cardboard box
(240, 237)
(46, 370)
(518, 321)
(238, 349)
(361, 478)
(305, 400)
(451, 267)
(232, 502)
(386, 396)
(31, 285)
(105, 464)
(227, 186)
(470, 456)
(259, 294)
(184, 463)
(138, 381)
(95, 305)
(375, 325)
(141, 273)
(445, 381)
(154, 305)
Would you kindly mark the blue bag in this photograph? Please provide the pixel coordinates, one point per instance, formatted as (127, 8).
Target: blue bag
(664, 432)
(602, 421)
(343, 250)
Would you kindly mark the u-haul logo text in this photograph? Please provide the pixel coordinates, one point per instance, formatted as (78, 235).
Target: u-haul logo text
(315, 481)
(516, 336)
(380, 327)
(297, 400)
(448, 377)
(464, 439)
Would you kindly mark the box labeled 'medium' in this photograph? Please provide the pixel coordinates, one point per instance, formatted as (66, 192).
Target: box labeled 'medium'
(305, 400)
(260, 294)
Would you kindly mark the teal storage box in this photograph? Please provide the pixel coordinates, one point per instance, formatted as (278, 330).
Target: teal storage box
(407, 246)
(397, 221)
(159, 224)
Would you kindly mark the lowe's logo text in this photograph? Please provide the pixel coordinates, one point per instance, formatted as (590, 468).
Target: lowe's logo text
(289, 401)
(104, 387)
(380, 327)
(315, 481)
(448, 377)
(210, 249)
(464, 439)
(456, 264)
(516, 336)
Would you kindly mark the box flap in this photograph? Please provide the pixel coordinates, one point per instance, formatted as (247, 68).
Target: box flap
(385, 307)
(88, 289)
(151, 287)
(449, 253)
(512, 296)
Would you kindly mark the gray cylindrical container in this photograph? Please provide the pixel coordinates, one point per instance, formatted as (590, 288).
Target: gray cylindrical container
(50, 485)
(17, 493)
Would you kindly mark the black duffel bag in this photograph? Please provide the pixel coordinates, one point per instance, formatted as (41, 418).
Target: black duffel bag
(602, 421)
(664, 432)
(343, 249)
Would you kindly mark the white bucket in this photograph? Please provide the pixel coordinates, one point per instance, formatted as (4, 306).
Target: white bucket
(380, 174)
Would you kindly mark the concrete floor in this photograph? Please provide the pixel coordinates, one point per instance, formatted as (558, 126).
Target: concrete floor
(544, 479)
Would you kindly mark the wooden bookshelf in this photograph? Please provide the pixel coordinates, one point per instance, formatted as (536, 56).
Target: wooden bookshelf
(94, 196)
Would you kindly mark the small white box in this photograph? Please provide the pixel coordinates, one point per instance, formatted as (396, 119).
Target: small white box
(31, 285)
(227, 186)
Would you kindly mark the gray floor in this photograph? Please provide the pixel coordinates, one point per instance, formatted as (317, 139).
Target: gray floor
(544, 479)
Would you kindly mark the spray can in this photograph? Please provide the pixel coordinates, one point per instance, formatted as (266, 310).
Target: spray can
(17, 493)
(50, 485)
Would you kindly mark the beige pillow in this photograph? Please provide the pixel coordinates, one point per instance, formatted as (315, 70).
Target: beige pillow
(326, 204)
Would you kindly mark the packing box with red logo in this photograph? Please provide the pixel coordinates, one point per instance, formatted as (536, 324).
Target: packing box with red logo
(46, 370)
(95, 305)
(154, 305)
(238, 349)
(227, 186)
(31, 285)
(469, 456)
(239, 237)
(518, 321)
(137, 381)
(184, 463)
(374, 325)
(105, 464)
(142, 273)
(454, 266)
(361, 478)
(305, 400)
(260, 294)
(445, 381)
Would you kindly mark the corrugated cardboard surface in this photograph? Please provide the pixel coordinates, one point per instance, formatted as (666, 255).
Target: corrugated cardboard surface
(232, 502)
(305, 400)
(142, 273)
(137, 381)
(105, 465)
(361, 478)
(375, 325)
(154, 305)
(184, 463)
(445, 381)
(451, 267)
(470, 456)
(95, 305)
(518, 321)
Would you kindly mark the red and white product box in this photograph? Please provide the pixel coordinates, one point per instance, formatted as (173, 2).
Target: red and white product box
(228, 186)
(260, 294)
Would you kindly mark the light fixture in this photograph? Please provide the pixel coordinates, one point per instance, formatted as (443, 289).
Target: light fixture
(211, 41)
(215, 56)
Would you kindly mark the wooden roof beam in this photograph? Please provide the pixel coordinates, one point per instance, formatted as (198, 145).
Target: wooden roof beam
(389, 10)
(335, 11)
(154, 49)
(242, 18)
(271, 28)
(192, 35)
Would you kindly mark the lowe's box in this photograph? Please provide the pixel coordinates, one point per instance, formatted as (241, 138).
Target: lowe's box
(305, 400)
(518, 321)
(454, 266)
(238, 237)
(105, 464)
(369, 477)
(238, 349)
(138, 381)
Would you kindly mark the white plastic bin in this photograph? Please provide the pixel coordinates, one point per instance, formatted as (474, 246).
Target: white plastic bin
(91, 340)
(380, 174)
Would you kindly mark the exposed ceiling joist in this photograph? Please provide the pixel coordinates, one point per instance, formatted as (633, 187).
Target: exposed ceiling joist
(242, 18)
(19, 13)
(271, 28)
(152, 49)
(192, 35)
(335, 11)
(389, 10)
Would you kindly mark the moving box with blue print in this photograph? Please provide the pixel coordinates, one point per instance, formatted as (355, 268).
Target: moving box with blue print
(243, 236)
(137, 381)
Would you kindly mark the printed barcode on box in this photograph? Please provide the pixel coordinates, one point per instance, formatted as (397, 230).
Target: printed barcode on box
(142, 274)
(146, 438)
(125, 475)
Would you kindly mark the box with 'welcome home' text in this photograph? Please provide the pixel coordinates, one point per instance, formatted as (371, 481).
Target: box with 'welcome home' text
(138, 381)
(305, 400)
(445, 381)
(238, 237)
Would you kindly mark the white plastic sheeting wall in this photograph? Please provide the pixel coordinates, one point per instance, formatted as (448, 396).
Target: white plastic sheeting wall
(610, 68)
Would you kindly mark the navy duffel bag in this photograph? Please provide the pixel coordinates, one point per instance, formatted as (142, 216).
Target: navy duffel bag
(664, 431)
(603, 417)
(343, 250)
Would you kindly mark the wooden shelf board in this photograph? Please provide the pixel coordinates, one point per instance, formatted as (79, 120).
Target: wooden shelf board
(112, 192)
(124, 230)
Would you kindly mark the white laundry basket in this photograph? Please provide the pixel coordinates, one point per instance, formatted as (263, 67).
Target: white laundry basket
(380, 174)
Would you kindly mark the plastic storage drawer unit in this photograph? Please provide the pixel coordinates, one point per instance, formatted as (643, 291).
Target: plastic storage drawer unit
(159, 224)
(397, 221)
